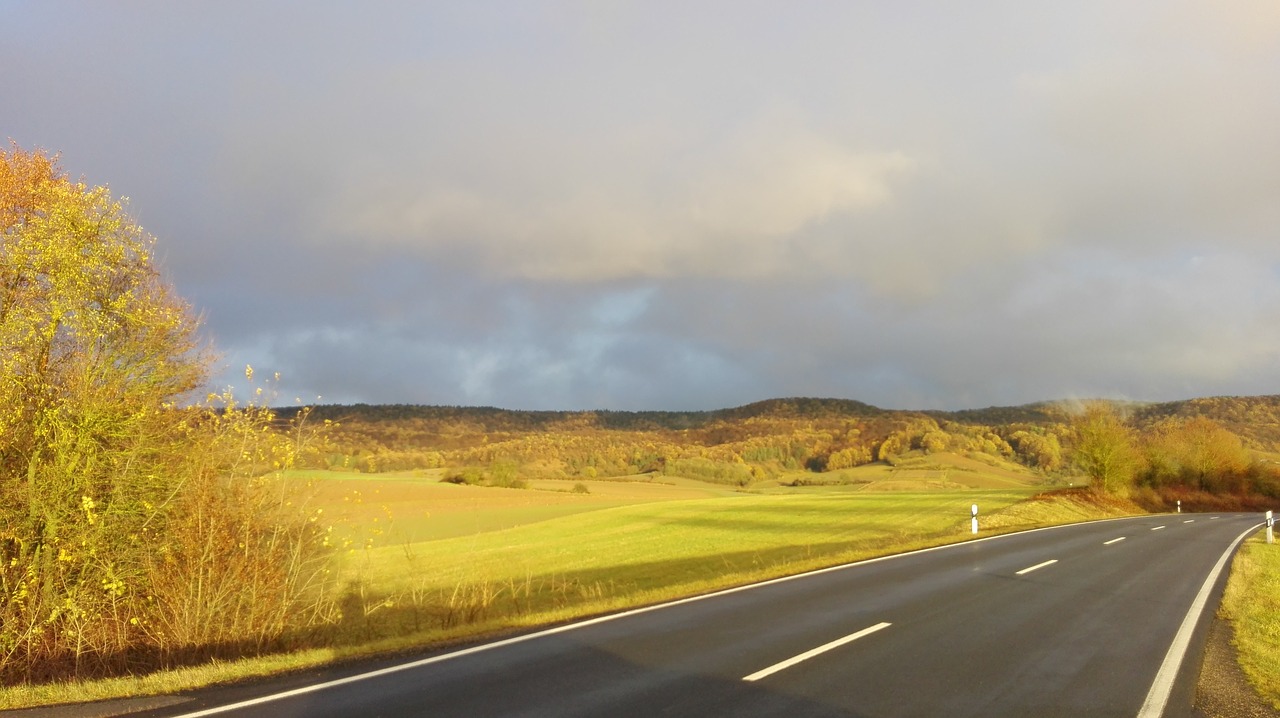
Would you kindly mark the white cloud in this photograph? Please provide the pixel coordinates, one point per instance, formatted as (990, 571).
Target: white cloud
(772, 179)
(734, 210)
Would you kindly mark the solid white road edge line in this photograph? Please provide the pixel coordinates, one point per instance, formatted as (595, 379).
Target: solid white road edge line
(610, 617)
(1114, 540)
(1158, 696)
(816, 651)
(1038, 566)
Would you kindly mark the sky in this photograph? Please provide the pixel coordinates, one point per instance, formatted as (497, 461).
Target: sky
(688, 205)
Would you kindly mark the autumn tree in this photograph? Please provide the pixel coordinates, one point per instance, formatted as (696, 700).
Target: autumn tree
(935, 441)
(92, 346)
(892, 447)
(1197, 453)
(100, 462)
(1039, 449)
(1104, 448)
(848, 458)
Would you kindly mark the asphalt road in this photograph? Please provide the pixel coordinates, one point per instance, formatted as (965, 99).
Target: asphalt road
(1072, 621)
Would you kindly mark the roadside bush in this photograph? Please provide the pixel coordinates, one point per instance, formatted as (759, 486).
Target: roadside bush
(243, 568)
(134, 532)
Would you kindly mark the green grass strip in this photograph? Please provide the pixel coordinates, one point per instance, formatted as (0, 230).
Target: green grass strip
(1252, 603)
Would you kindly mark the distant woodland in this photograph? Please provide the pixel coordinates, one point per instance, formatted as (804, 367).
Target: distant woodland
(1220, 444)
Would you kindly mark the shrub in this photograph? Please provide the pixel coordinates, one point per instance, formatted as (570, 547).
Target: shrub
(133, 532)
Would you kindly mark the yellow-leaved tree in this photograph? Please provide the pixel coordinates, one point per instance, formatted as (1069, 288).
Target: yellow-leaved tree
(117, 497)
(1104, 448)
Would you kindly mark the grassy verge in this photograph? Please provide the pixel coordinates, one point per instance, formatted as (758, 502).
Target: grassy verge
(1252, 603)
(443, 591)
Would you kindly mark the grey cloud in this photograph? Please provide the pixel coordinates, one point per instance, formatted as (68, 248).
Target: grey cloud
(733, 214)
(690, 206)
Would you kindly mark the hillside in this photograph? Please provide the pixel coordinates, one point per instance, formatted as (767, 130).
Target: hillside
(1255, 419)
(764, 440)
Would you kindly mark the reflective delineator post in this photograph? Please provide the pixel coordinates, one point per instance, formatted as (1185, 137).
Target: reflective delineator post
(1179, 505)
(974, 510)
(1270, 522)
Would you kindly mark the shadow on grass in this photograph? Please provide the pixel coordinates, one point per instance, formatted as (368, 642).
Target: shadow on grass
(497, 604)
(770, 525)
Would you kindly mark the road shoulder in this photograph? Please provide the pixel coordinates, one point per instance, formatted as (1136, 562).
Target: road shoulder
(1222, 690)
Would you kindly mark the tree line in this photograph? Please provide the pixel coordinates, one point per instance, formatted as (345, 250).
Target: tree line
(1160, 457)
(1209, 445)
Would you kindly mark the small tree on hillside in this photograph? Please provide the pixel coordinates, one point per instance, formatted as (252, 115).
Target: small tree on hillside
(1104, 448)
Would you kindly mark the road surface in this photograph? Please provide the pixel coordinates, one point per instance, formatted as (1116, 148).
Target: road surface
(1070, 621)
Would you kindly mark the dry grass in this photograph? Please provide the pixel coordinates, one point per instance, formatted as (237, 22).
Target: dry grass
(1061, 506)
(1252, 603)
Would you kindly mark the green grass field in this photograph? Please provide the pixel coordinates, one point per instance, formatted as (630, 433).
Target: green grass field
(412, 507)
(640, 548)
(553, 554)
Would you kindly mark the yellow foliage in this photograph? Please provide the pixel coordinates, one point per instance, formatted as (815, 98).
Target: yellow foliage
(100, 462)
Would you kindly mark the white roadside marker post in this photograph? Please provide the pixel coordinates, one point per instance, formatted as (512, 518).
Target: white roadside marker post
(1270, 522)
(974, 512)
(1179, 505)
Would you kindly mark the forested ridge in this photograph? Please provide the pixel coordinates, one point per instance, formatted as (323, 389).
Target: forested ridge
(768, 438)
(1254, 415)
(1255, 419)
